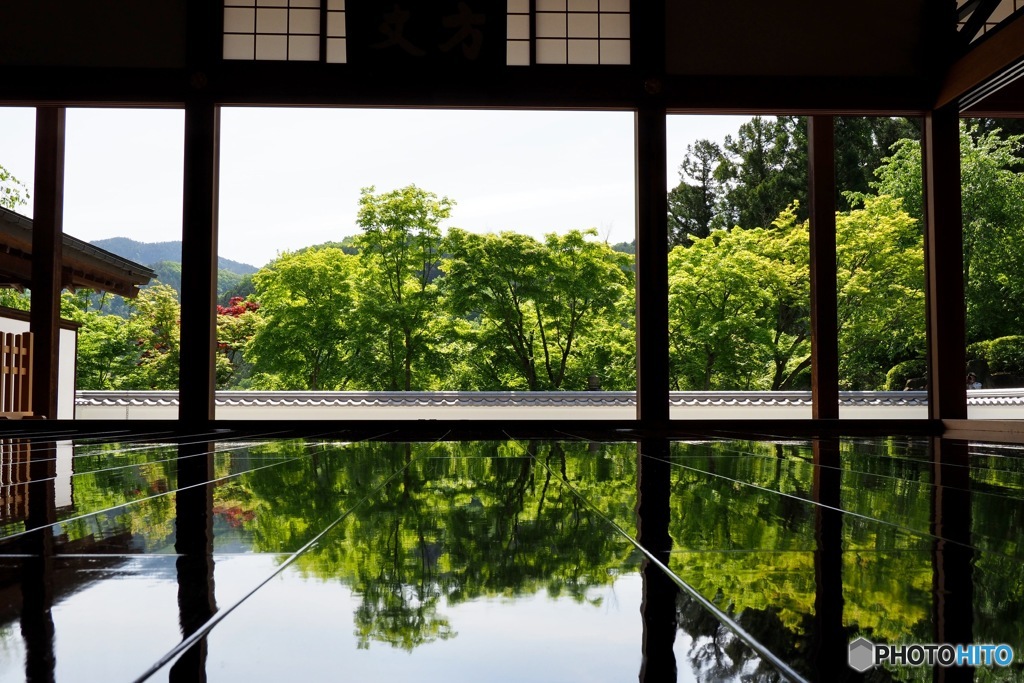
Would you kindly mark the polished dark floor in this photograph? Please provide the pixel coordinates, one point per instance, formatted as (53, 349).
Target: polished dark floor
(157, 557)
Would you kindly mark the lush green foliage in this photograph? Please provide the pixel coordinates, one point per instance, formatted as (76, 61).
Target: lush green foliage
(764, 170)
(993, 192)
(1005, 354)
(722, 292)
(898, 376)
(12, 298)
(693, 208)
(536, 304)
(408, 305)
(400, 251)
(236, 326)
(322, 318)
(739, 300)
(880, 259)
(108, 348)
(301, 337)
(759, 172)
(141, 352)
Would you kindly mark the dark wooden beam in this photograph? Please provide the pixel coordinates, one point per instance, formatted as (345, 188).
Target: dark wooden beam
(966, 9)
(17, 268)
(647, 66)
(17, 271)
(312, 84)
(651, 267)
(477, 430)
(944, 266)
(197, 376)
(272, 83)
(824, 314)
(204, 25)
(985, 61)
(999, 431)
(47, 256)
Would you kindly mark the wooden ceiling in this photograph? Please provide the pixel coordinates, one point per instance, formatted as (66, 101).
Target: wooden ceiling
(802, 56)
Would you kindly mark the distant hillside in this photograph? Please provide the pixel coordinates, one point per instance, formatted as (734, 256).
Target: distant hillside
(151, 253)
(229, 284)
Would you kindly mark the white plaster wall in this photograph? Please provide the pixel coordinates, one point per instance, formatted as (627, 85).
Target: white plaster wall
(305, 406)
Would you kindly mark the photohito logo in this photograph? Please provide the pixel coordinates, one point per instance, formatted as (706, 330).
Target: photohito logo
(864, 655)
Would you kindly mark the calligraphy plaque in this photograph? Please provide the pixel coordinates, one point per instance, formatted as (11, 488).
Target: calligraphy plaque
(435, 34)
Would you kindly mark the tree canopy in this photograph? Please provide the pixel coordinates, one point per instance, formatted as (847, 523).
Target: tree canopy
(301, 336)
(993, 193)
(409, 304)
(399, 251)
(533, 302)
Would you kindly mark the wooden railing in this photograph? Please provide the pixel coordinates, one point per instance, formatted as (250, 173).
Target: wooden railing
(16, 375)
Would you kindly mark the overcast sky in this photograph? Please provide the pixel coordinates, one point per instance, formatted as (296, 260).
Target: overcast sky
(291, 177)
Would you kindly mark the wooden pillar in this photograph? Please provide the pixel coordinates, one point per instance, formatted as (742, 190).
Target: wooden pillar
(197, 376)
(824, 315)
(944, 266)
(648, 58)
(651, 267)
(47, 257)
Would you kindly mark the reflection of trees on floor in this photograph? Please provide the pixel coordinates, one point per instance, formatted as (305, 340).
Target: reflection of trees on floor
(799, 549)
(458, 523)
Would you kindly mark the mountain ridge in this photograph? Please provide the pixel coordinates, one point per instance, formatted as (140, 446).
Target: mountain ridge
(151, 253)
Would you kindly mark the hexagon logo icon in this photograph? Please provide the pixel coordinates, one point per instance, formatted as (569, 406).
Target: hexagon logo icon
(862, 655)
